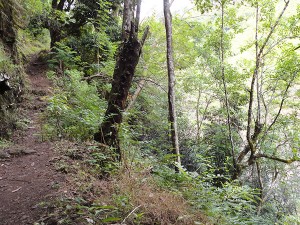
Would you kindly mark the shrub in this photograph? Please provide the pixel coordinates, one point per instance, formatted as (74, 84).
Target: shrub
(75, 111)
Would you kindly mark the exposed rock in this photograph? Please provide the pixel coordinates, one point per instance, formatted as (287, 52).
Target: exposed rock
(20, 151)
(4, 84)
(15, 152)
(4, 155)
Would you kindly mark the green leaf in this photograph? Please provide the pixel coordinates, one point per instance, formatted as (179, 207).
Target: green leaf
(111, 219)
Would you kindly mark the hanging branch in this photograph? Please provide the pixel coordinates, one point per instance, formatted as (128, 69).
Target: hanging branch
(259, 178)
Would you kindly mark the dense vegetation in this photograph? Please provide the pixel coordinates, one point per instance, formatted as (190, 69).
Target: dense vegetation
(237, 97)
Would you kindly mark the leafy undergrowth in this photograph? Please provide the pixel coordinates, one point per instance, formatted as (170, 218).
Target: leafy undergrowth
(99, 191)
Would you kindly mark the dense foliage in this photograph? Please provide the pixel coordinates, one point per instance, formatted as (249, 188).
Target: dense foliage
(237, 79)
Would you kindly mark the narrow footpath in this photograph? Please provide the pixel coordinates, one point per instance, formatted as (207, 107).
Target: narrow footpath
(27, 173)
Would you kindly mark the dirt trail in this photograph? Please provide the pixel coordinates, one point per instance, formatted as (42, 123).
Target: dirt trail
(28, 177)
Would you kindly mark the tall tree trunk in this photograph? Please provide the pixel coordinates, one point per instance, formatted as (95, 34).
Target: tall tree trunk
(171, 79)
(55, 36)
(122, 79)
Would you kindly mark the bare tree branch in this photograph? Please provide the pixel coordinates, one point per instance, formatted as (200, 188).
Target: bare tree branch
(145, 35)
(278, 42)
(287, 161)
(280, 106)
(140, 87)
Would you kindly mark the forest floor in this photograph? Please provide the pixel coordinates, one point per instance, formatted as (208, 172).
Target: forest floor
(27, 172)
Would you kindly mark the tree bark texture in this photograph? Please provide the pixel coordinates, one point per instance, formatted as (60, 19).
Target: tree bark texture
(10, 21)
(171, 80)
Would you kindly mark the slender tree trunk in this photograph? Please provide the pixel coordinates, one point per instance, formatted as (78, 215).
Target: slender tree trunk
(122, 79)
(171, 79)
(230, 137)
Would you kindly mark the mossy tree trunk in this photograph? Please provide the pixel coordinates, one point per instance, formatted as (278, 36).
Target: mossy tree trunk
(8, 33)
(129, 54)
(10, 68)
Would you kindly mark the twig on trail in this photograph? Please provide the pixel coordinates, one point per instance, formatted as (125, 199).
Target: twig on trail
(130, 213)
(16, 189)
(25, 181)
